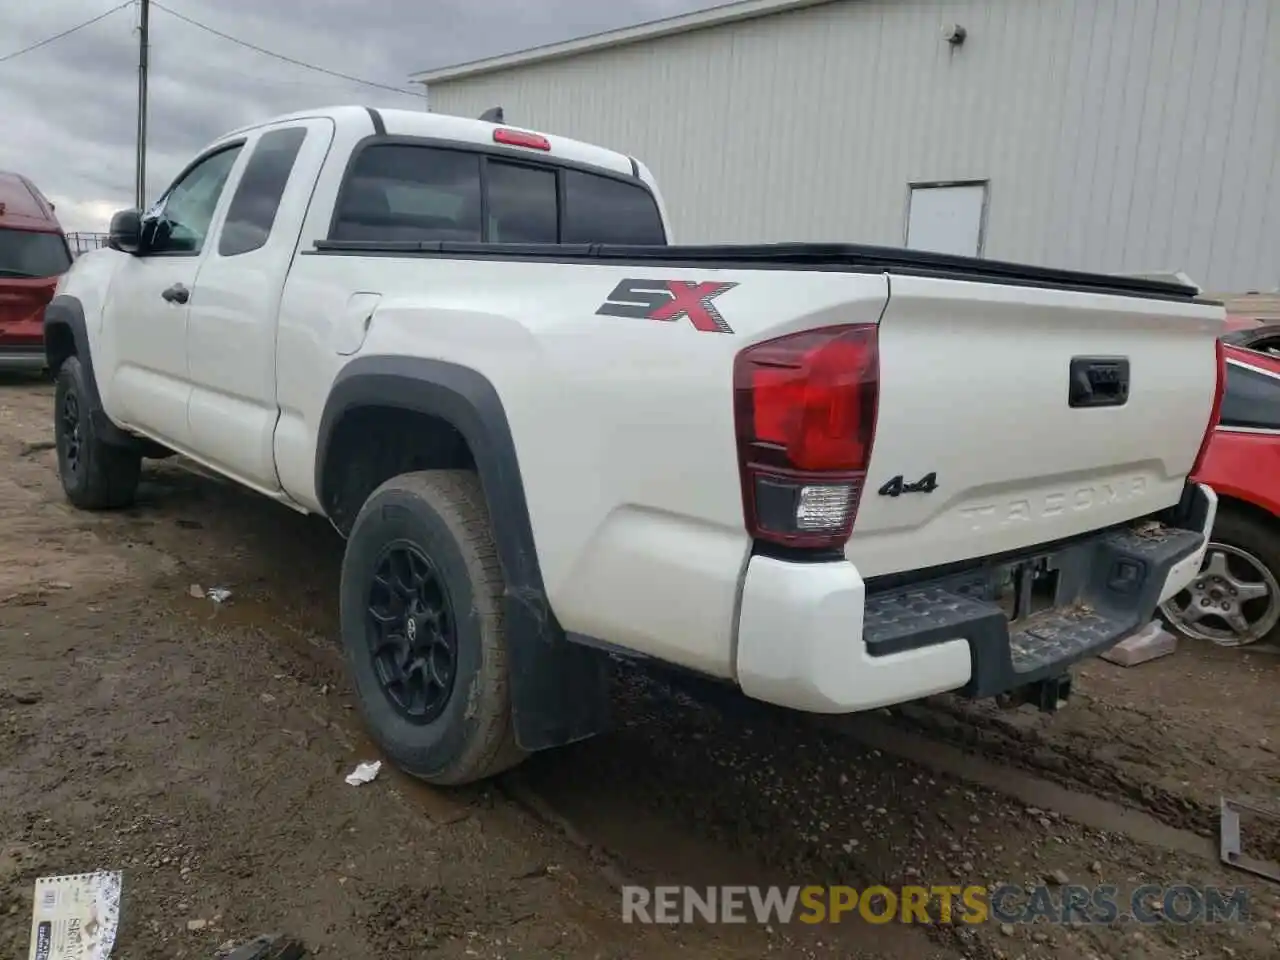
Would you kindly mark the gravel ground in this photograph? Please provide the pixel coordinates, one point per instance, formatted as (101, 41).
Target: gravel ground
(200, 748)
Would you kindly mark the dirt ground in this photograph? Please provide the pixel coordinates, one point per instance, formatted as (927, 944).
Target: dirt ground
(201, 748)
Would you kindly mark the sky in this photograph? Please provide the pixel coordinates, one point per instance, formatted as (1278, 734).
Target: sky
(69, 108)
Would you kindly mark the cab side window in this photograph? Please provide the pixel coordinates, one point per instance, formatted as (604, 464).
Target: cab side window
(407, 192)
(187, 210)
(256, 201)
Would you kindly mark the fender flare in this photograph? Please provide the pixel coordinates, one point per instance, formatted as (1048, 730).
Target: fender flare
(559, 689)
(65, 315)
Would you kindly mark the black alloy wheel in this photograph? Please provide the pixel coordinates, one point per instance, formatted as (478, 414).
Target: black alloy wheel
(412, 633)
(69, 417)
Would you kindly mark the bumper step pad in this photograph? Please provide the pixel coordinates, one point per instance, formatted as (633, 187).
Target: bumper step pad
(1108, 586)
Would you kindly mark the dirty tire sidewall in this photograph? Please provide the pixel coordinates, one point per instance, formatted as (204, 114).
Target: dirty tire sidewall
(107, 476)
(430, 510)
(70, 381)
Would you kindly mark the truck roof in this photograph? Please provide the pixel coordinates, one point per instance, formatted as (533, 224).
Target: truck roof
(23, 206)
(441, 126)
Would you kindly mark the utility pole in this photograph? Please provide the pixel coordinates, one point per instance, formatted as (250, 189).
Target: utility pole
(140, 188)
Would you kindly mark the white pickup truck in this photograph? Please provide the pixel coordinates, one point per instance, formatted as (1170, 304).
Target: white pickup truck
(837, 477)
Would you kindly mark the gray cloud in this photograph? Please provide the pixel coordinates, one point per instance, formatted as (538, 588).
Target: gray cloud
(69, 109)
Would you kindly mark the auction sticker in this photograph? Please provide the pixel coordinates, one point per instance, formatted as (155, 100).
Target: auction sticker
(75, 916)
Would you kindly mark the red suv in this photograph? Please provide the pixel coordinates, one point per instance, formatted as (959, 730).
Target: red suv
(33, 254)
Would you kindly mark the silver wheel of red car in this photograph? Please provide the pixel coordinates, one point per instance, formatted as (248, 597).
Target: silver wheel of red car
(1234, 601)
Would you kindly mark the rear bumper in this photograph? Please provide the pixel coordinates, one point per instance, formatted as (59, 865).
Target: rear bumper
(811, 638)
(26, 356)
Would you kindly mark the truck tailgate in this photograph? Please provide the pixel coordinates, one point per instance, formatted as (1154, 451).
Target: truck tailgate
(976, 389)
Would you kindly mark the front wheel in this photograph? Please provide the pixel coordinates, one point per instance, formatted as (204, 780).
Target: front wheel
(423, 628)
(95, 475)
(1235, 599)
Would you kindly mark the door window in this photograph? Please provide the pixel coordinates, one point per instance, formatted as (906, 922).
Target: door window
(1250, 399)
(253, 208)
(187, 209)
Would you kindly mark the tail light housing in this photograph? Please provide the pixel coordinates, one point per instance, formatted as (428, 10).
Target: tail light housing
(1215, 412)
(805, 413)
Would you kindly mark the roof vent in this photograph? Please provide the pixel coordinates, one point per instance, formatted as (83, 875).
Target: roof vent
(492, 115)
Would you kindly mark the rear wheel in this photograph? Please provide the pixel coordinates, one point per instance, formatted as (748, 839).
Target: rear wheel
(423, 629)
(1235, 600)
(95, 475)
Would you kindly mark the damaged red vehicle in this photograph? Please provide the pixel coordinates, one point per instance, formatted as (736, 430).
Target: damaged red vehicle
(33, 254)
(1236, 600)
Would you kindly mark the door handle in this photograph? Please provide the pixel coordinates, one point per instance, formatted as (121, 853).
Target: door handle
(177, 294)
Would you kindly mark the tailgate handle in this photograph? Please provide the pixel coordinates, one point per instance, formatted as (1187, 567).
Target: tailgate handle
(1099, 382)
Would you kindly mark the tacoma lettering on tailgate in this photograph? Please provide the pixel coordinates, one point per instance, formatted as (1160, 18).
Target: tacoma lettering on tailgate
(668, 300)
(1053, 504)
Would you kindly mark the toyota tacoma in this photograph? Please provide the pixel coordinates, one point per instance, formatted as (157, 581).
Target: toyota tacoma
(835, 476)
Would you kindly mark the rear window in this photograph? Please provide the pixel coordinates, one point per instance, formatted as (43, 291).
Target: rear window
(24, 253)
(407, 192)
(522, 204)
(604, 210)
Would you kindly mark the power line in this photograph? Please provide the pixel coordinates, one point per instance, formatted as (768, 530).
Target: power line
(280, 56)
(65, 33)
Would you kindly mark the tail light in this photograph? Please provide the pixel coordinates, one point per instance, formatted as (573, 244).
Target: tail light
(1215, 412)
(805, 411)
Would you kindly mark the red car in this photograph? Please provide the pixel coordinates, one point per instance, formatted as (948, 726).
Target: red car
(33, 254)
(1236, 600)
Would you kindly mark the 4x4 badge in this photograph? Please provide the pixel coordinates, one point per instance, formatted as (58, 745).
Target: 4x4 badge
(898, 486)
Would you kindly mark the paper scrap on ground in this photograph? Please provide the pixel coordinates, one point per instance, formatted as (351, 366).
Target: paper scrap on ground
(364, 773)
(75, 916)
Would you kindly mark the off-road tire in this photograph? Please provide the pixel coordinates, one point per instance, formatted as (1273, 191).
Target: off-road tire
(95, 475)
(444, 515)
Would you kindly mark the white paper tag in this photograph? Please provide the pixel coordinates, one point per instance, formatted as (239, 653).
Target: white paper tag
(75, 917)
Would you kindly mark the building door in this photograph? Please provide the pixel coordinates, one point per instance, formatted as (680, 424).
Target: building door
(946, 218)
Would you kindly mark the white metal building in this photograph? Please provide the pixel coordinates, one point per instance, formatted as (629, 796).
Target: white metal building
(1116, 135)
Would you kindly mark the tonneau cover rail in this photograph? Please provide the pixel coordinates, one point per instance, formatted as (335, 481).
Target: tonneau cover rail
(812, 256)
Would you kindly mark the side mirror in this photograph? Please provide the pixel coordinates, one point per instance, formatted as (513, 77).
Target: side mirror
(126, 231)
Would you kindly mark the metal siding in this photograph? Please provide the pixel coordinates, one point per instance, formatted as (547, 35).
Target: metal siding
(1116, 134)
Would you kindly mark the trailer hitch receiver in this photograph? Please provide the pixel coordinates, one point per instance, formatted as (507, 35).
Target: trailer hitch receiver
(1047, 695)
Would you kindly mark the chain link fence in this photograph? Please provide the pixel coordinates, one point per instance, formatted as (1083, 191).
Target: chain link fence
(83, 241)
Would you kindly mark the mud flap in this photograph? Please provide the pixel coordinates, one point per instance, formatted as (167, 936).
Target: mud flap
(559, 689)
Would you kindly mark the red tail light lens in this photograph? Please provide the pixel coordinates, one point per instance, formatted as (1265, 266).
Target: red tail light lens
(805, 411)
(1215, 412)
(518, 138)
